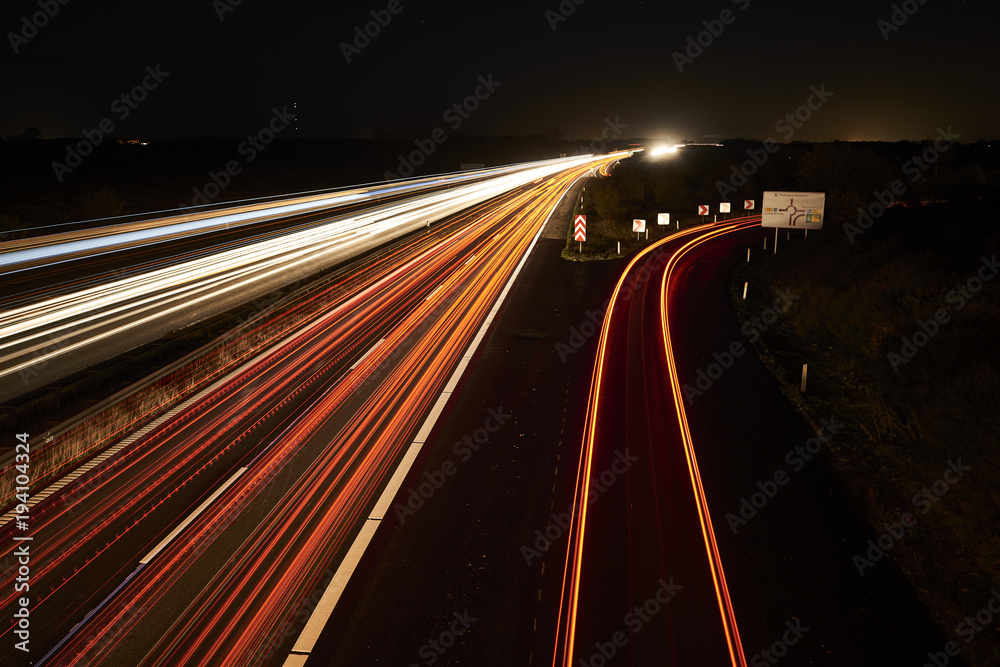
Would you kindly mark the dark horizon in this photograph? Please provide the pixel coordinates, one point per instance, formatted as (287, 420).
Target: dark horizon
(675, 73)
(635, 142)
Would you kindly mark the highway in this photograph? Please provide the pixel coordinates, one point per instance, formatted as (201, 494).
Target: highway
(489, 545)
(77, 298)
(245, 526)
(648, 542)
(58, 247)
(655, 570)
(271, 475)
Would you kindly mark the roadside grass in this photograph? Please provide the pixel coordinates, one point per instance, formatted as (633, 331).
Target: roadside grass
(858, 303)
(604, 233)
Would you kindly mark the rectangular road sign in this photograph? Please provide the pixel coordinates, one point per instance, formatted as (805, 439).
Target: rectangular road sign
(580, 228)
(798, 210)
(663, 218)
(724, 207)
(702, 209)
(749, 204)
(639, 225)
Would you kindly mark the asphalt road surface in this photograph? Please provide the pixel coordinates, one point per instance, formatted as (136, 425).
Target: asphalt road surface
(468, 575)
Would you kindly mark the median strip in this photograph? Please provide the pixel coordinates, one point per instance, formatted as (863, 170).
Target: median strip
(191, 517)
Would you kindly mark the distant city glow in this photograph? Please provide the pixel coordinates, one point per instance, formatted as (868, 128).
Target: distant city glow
(663, 150)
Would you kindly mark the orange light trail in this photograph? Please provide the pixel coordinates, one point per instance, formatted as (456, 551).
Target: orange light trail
(567, 622)
(336, 455)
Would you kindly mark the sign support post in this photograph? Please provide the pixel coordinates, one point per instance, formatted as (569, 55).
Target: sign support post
(791, 210)
(638, 226)
(580, 230)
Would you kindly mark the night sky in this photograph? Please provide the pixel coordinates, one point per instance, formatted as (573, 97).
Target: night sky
(605, 60)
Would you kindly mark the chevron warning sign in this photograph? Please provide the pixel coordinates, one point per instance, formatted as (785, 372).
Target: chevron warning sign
(580, 228)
